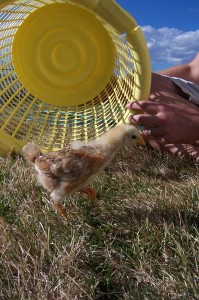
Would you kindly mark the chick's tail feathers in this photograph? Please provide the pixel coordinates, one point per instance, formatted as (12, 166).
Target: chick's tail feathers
(31, 151)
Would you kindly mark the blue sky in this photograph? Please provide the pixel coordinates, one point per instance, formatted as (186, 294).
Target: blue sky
(171, 29)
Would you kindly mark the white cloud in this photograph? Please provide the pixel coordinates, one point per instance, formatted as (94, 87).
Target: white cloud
(170, 45)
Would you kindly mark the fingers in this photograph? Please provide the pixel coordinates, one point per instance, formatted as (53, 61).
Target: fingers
(154, 131)
(146, 106)
(154, 134)
(145, 119)
(151, 141)
(148, 115)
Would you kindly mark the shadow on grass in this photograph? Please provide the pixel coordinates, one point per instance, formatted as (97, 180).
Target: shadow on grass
(153, 164)
(138, 215)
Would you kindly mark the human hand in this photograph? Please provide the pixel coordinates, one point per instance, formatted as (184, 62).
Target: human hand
(167, 123)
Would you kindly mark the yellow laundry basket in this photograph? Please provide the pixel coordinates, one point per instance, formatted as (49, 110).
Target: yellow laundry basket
(67, 70)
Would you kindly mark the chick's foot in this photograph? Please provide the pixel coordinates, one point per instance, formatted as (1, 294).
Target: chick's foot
(90, 193)
(61, 210)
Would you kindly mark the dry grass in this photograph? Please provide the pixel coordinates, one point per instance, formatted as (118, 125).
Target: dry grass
(140, 240)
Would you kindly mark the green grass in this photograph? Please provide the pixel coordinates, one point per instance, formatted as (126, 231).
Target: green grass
(139, 241)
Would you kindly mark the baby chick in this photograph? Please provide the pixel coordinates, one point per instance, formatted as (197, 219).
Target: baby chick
(71, 169)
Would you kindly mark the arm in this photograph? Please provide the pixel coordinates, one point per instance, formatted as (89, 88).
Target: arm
(189, 71)
(167, 113)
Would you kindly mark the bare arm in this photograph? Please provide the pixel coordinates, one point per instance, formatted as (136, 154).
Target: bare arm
(189, 71)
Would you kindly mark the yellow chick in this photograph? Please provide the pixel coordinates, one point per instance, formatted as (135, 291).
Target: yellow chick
(71, 169)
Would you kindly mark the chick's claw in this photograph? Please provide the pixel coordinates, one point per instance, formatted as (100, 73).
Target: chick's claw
(61, 210)
(90, 193)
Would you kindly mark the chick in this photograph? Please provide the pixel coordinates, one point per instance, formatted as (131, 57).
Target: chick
(71, 169)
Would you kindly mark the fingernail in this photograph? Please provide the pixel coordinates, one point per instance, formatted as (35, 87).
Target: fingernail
(128, 105)
(132, 119)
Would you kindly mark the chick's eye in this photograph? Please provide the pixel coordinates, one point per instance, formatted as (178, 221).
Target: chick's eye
(133, 137)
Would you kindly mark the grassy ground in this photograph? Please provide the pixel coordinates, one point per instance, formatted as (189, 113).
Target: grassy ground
(140, 240)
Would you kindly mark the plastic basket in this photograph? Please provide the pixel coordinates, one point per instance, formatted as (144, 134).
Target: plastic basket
(67, 70)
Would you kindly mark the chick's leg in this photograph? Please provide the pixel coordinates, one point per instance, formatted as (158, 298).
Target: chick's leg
(90, 193)
(60, 210)
(57, 203)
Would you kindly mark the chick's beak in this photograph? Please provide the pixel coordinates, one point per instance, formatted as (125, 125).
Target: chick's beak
(141, 141)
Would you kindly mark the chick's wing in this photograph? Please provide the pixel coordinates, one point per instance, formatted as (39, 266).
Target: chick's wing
(69, 164)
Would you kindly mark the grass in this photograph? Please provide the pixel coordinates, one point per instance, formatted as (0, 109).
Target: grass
(139, 241)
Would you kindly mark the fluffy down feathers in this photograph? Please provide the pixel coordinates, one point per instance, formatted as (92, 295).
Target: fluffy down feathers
(72, 168)
(31, 151)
